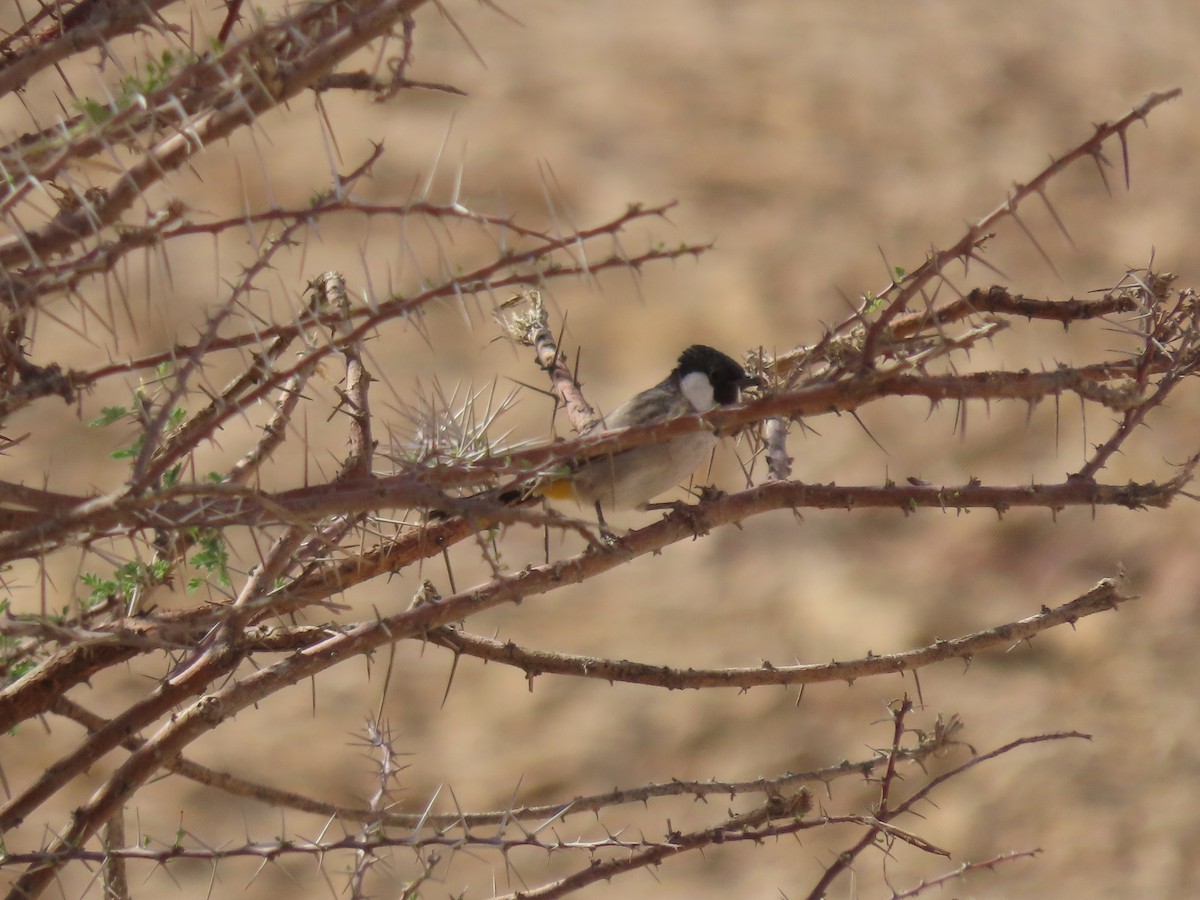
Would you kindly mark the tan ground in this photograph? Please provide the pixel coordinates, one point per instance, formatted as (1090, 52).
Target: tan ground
(803, 139)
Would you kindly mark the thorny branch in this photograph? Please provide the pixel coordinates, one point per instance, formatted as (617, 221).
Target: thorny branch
(886, 811)
(936, 742)
(313, 542)
(781, 814)
(1104, 596)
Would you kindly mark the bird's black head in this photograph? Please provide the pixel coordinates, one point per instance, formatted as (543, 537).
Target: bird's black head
(726, 375)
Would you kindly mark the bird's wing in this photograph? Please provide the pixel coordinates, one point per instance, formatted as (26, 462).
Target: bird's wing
(657, 404)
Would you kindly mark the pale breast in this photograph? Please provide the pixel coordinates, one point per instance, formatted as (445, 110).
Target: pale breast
(635, 477)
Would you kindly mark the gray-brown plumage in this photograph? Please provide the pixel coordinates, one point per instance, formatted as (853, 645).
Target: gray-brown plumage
(703, 379)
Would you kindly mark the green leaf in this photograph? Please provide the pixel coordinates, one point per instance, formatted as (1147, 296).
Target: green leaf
(108, 415)
(93, 110)
(213, 555)
(17, 669)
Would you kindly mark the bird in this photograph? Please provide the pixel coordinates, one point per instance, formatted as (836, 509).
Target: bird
(702, 380)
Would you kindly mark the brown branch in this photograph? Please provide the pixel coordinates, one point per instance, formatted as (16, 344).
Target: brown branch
(1103, 597)
(530, 327)
(331, 31)
(933, 743)
(845, 859)
(419, 486)
(113, 870)
(366, 82)
(486, 278)
(902, 293)
(135, 717)
(56, 275)
(233, 14)
(205, 715)
(34, 693)
(883, 813)
(223, 506)
(998, 300)
(782, 822)
(361, 445)
(87, 24)
(780, 815)
(965, 869)
(159, 451)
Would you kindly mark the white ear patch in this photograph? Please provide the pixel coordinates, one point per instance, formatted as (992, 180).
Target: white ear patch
(698, 391)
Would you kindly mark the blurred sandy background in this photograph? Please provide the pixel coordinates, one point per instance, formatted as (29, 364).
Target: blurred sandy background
(803, 139)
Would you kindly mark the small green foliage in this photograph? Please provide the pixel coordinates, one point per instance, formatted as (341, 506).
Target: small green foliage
(129, 452)
(108, 415)
(871, 302)
(900, 273)
(212, 558)
(124, 582)
(11, 671)
(158, 71)
(94, 111)
(139, 414)
(14, 673)
(102, 588)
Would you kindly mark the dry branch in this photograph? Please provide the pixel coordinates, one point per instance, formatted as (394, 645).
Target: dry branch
(1104, 596)
(324, 535)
